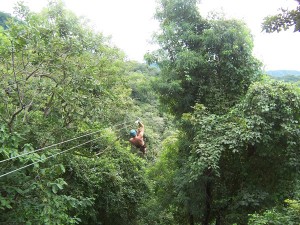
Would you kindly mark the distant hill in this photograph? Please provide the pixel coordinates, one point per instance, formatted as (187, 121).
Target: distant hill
(281, 73)
(3, 18)
(291, 76)
(288, 78)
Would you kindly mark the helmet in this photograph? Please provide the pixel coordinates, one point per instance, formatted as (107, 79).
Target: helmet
(133, 133)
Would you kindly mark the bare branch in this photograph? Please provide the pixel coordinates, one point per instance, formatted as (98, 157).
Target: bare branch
(32, 73)
(47, 75)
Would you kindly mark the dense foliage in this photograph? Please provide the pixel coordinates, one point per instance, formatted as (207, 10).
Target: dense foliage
(236, 150)
(248, 157)
(227, 154)
(206, 61)
(60, 80)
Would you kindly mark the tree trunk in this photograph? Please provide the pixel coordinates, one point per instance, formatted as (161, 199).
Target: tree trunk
(218, 220)
(208, 197)
(191, 219)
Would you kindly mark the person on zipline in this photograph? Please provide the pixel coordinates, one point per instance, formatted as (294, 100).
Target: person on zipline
(137, 138)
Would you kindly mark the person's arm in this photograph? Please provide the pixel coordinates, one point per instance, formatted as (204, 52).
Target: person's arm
(141, 125)
(141, 129)
(130, 140)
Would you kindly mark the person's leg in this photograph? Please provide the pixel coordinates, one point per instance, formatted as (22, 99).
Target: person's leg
(143, 149)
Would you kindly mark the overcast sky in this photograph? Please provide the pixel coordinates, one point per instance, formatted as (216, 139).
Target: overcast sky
(130, 23)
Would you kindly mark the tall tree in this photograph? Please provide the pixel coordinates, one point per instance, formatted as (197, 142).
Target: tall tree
(248, 156)
(207, 61)
(237, 164)
(204, 61)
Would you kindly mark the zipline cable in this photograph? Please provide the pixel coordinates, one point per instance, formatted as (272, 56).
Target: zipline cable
(23, 167)
(50, 146)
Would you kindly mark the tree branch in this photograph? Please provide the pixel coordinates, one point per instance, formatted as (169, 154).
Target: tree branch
(23, 61)
(14, 72)
(47, 75)
(47, 109)
(10, 123)
(32, 73)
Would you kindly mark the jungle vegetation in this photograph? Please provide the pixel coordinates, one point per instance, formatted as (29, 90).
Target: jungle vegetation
(223, 138)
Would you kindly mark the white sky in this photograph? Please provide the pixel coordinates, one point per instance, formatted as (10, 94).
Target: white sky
(130, 23)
